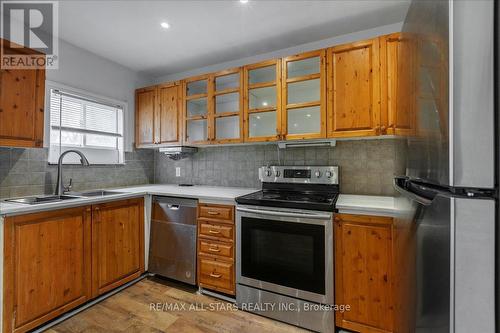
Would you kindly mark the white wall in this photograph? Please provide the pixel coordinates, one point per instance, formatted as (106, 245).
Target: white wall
(81, 69)
(348, 38)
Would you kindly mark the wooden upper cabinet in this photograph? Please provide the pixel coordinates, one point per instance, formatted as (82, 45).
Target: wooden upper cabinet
(262, 101)
(117, 243)
(168, 120)
(198, 109)
(227, 106)
(364, 272)
(22, 98)
(145, 111)
(396, 85)
(304, 96)
(46, 266)
(354, 89)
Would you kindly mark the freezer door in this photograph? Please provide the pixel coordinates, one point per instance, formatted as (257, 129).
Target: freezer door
(432, 267)
(474, 265)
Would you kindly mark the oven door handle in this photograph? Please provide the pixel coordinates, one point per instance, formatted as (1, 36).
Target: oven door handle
(285, 214)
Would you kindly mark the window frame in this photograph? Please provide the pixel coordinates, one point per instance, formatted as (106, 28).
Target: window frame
(92, 151)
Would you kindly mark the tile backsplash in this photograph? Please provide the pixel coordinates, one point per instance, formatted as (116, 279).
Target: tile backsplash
(366, 166)
(26, 172)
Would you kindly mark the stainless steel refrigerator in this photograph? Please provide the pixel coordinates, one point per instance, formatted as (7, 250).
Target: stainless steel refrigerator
(449, 191)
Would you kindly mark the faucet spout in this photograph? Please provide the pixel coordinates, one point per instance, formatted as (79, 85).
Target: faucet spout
(59, 185)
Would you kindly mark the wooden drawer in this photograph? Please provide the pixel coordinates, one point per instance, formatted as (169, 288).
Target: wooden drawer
(216, 230)
(216, 212)
(218, 275)
(215, 248)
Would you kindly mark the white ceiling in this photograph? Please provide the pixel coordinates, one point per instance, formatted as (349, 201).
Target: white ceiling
(203, 33)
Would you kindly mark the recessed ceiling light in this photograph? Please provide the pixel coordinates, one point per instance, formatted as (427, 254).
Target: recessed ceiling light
(264, 103)
(308, 115)
(244, 1)
(165, 25)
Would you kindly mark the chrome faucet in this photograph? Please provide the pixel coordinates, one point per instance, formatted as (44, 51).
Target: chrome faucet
(83, 160)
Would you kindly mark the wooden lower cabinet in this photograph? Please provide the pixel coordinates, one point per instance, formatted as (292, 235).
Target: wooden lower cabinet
(47, 269)
(216, 241)
(117, 244)
(57, 260)
(371, 275)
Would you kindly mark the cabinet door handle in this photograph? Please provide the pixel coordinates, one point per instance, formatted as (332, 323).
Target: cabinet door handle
(216, 232)
(213, 249)
(217, 276)
(211, 212)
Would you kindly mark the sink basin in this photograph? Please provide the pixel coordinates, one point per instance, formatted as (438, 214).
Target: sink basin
(96, 193)
(43, 199)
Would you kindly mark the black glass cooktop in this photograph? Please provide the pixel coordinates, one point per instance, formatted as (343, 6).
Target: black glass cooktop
(291, 199)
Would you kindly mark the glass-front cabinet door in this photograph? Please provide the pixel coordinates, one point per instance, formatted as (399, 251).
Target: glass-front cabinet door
(262, 101)
(228, 106)
(304, 96)
(197, 109)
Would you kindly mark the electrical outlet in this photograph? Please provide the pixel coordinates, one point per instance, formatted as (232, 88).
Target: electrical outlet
(177, 171)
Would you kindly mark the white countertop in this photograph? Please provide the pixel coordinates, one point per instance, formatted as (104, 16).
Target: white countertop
(210, 194)
(346, 203)
(366, 205)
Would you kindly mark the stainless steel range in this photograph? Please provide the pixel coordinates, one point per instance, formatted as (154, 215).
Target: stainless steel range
(284, 252)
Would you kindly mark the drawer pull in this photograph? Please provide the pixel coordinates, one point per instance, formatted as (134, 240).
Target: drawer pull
(217, 276)
(213, 249)
(216, 232)
(210, 212)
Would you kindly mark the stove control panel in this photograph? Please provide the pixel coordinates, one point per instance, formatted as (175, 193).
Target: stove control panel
(299, 174)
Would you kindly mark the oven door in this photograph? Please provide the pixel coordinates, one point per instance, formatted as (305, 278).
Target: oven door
(288, 252)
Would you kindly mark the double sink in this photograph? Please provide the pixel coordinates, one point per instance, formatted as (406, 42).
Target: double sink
(34, 200)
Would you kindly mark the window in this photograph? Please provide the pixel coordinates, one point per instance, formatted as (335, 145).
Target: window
(93, 126)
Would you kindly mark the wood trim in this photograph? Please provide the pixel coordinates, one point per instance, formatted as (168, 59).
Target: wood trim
(304, 78)
(26, 143)
(226, 91)
(261, 85)
(260, 110)
(197, 96)
(226, 114)
(375, 93)
(322, 102)
(303, 105)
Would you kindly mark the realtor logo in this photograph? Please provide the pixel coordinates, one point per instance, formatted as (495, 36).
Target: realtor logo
(29, 25)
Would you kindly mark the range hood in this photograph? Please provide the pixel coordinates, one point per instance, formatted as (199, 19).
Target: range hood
(178, 152)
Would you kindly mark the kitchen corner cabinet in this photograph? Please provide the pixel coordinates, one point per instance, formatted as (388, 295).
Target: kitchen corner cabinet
(354, 89)
(22, 96)
(397, 85)
(57, 260)
(304, 96)
(213, 108)
(374, 273)
(47, 266)
(117, 244)
(262, 101)
(216, 247)
(158, 116)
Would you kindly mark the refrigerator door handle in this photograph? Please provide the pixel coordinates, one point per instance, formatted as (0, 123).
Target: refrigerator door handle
(410, 195)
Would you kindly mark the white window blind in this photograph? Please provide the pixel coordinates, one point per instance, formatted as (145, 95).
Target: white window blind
(91, 126)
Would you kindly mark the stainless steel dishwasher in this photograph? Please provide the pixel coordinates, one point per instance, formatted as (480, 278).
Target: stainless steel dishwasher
(172, 251)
